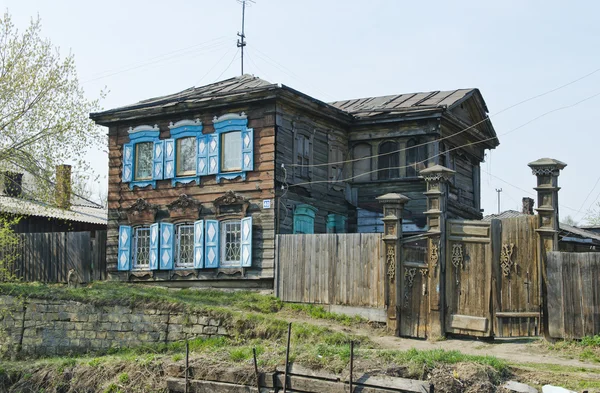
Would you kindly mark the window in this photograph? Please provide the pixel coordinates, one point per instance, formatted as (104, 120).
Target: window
(303, 155)
(231, 243)
(186, 156)
(361, 167)
(304, 219)
(231, 151)
(389, 161)
(416, 157)
(141, 248)
(143, 160)
(336, 166)
(184, 245)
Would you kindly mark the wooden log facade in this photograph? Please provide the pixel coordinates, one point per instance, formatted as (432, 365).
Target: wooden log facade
(308, 174)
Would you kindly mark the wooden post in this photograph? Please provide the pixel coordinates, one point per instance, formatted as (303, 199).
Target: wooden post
(393, 204)
(187, 365)
(437, 178)
(287, 358)
(547, 171)
(351, 364)
(256, 370)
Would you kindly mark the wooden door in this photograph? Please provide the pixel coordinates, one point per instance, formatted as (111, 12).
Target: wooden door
(516, 276)
(468, 278)
(414, 308)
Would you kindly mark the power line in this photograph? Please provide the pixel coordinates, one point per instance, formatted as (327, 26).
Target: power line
(214, 65)
(461, 131)
(449, 150)
(255, 65)
(229, 65)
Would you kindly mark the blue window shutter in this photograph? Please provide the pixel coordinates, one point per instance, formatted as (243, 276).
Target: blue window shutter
(154, 236)
(158, 160)
(127, 162)
(214, 159)
(169, 171)
(211, 244)
(202, 160)
(167, 240)
(248, 149)
(247, 242)
(199, 244)
(124, 259)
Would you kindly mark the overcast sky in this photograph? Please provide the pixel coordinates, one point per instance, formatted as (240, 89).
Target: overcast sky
(333, 50)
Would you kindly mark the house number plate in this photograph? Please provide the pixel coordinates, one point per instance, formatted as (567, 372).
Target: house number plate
(266, 204)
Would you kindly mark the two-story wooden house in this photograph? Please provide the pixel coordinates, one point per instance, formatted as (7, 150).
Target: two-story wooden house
(202, 181)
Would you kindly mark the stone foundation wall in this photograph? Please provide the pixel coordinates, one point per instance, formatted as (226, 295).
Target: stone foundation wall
(43, 327)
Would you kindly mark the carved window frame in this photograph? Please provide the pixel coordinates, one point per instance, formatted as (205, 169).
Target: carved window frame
(367, 176)
(300, 130)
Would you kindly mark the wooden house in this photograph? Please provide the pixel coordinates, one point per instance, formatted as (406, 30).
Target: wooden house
(202, 181)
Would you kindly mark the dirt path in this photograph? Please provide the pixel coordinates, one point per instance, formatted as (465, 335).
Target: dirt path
(527, 350)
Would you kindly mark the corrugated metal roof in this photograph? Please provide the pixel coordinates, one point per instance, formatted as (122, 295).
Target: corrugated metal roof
(88, 214)
(579, 232)
(370, 106)
(504, 214)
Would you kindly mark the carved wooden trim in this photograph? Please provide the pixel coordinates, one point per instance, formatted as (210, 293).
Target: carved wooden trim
(184, 208)
(457, 256)
(229, 199)
(141, 212)
(182, 273)
(142, 274)
(409, 280)
(391, 261)
(434, 257)
(506, 261)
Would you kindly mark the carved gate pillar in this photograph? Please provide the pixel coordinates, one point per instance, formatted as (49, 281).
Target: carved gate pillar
(437, 192)
(393, 204)
(547, 171)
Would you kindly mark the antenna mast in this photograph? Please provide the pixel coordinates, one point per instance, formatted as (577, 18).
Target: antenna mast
(498, 190)
(241, 42)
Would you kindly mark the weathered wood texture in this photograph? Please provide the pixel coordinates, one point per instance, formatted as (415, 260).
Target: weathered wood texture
(517, 295)
(573, 291)
(414, 309)
(315, 187)
(468, 276)
(341, 269)
(48, 257)
(258, 186)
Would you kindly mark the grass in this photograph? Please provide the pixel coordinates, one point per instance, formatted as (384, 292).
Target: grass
(587, 349)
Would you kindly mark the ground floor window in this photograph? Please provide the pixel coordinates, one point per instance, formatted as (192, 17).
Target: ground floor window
(184, 245)
(231, 243)
(141, 247)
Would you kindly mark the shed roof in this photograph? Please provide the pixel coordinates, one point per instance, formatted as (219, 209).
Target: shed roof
(27, 207)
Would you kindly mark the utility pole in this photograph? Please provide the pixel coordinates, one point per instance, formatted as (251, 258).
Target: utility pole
(498, 190)
(241, 42)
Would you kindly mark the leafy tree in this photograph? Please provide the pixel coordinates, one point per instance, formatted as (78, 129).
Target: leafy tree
(43, 117)
(569, 221)
(43, 110)
(593, 215)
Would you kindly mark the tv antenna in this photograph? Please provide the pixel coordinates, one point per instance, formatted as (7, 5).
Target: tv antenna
(241, 42)
(498, 190)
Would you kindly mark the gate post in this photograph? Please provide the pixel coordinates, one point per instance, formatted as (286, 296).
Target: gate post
(393, 204)
(437, 191)
(547, 171)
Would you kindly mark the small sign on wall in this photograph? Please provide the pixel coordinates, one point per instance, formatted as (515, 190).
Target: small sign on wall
(266, 203)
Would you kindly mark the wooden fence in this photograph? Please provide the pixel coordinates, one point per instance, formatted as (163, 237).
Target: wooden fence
(573, 293)
(48, 257)
(332, 269)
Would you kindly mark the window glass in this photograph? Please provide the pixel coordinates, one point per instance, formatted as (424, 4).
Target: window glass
(389, 161)
(185, 245)
(362, 166)
(416, 155)
(186, 156)
(143, 160)
(231, 243)
(141, 248)
(231, 151)
(302, 154)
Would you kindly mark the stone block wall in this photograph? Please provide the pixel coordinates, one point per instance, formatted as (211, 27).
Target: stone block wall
(55, 327)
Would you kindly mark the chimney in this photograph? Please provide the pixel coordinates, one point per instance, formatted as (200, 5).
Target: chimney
(63, 186)
(527, 206)
(13, 183)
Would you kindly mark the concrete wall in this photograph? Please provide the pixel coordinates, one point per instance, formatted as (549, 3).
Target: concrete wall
(42, 327)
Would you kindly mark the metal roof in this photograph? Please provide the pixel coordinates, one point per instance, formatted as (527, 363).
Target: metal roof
(88, 214)
(373, 106)
(504, 214)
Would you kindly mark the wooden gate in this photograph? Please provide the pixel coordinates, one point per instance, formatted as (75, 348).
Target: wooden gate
(516, 276)
(468, 278)
(414, 307)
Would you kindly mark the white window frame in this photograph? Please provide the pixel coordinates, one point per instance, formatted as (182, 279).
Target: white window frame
(223, 228)
(135, 265)
(178, 234)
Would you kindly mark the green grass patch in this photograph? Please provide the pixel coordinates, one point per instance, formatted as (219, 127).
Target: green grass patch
(587, 349)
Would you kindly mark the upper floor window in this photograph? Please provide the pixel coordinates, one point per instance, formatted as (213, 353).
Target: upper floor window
(184, 235)
(303, 155)
(143, 160)
(361, 167)
(416, 157)
(336, 166)
(186, 156)
(141, 247)
(231, 151)
(389, 161)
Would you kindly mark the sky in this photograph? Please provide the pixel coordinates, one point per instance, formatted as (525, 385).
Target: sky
(334, 50)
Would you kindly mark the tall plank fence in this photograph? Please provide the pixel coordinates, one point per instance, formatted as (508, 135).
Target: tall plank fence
(332, 269)
(573, 289)
(48, 257)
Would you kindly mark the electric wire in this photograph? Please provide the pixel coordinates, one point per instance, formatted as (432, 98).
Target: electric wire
(228, 66)
(213, 67)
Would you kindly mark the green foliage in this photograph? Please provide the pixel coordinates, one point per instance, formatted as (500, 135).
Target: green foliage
(318, 312)
(124, 378)
(9, 250)
(586, 349)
